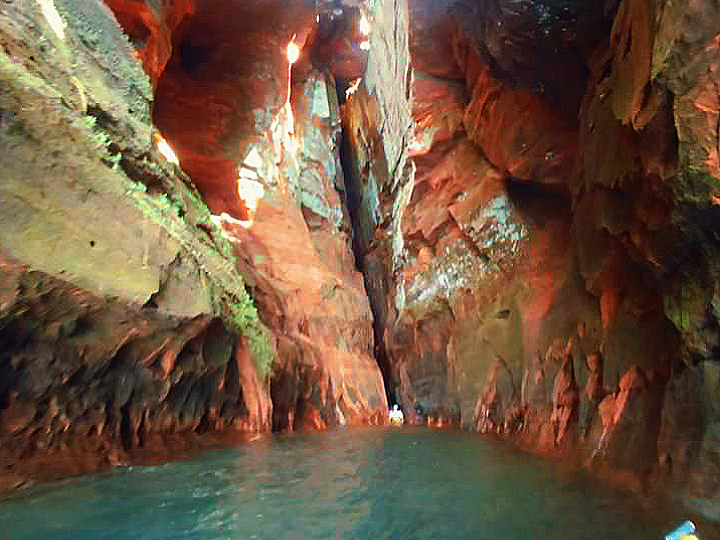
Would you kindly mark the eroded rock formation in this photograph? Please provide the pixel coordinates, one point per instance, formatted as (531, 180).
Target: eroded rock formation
(127, 327)
(501, 215)
(122, 309)
(555, 276)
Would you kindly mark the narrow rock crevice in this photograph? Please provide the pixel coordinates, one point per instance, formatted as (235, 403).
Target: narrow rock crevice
(362, 234)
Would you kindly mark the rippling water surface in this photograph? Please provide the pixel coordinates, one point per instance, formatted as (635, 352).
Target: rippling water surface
(358, 483)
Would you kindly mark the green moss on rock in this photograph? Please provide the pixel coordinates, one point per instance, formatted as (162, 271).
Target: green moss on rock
(687, 306)
(94, 24)
(696, 187)
(156, 240)
(240, 317)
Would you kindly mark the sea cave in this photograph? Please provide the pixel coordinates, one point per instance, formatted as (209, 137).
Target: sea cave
(249, 228)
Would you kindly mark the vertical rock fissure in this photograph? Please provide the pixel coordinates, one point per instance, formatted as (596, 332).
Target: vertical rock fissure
(361, 240)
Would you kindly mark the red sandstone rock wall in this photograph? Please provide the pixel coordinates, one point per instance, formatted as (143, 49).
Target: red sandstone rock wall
(260, 140)
(122, 307)
(556, 281)
(126, 326)
(532, 202)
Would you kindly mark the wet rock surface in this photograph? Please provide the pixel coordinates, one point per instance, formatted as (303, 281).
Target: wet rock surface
(501, 216)
(540, 287)
(127, 329)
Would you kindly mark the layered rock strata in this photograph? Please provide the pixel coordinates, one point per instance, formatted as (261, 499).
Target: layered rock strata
(552, 276)
(501, 215)
(127, 327)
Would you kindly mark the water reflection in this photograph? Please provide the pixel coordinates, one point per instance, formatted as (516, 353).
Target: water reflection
(355, 484)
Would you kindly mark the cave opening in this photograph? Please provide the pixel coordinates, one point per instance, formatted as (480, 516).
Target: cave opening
(208, 92)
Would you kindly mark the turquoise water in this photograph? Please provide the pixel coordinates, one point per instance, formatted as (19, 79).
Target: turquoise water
(369, 483)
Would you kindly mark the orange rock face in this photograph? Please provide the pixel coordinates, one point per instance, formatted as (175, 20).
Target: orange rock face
(519, 132)
(151, 29)
(517, 229)
(258, 139)
(227, 77)
(545, 209)
(311, 298)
